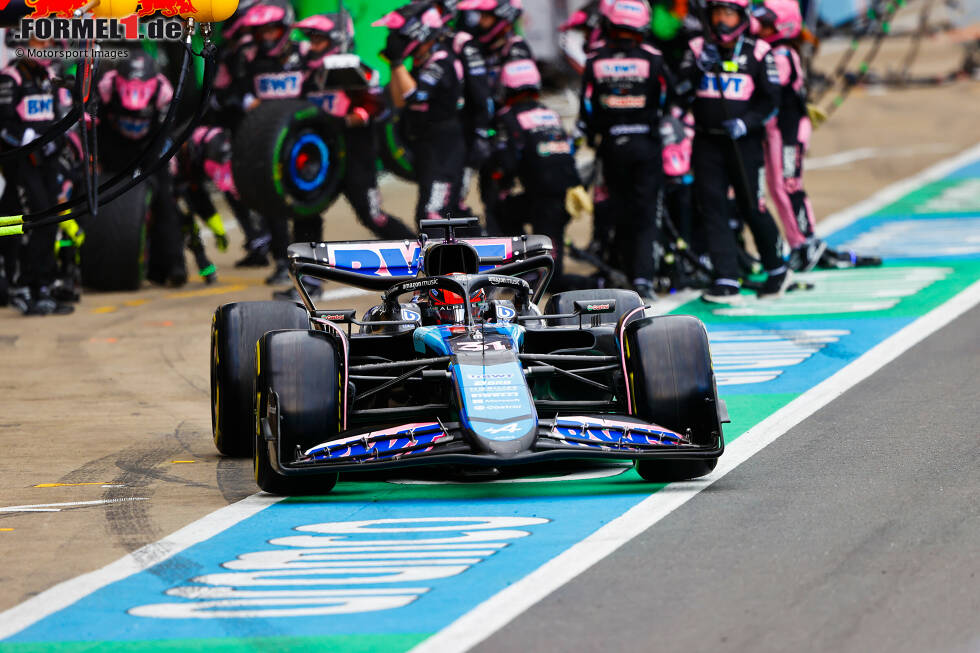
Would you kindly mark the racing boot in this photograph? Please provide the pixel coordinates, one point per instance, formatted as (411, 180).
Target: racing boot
(205, 268)
(723, 291)
(844, 259)
(38, 302)
(66, 289)
(257, 253)
(177, 277)
(209, 274)
(279, 276)
(776, 284)
(46, 304)
(805, 257)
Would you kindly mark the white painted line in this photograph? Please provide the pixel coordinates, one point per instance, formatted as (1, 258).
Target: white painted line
(896, 191)
(56, 507)
(494, 613)
(64, 594)
(861, 153)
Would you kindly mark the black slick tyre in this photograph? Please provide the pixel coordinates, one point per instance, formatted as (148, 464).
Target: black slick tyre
(393, 151)
(672, 384)
(289, 159)
(235, 328)
(297, 392)
(113, 256)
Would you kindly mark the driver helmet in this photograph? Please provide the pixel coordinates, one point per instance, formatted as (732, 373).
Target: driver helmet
(136, 81)
(448, 306)
(230, 28)
(629, 16)
(722, 33)
(269, 14)
(331, 28)
(416, 24)
(783, 16)
(505, 12)
(448, 8)
(520, 76)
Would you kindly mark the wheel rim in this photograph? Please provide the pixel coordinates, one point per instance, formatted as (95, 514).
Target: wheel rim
(309, 162)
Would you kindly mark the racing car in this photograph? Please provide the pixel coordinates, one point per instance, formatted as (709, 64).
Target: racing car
(457, 365)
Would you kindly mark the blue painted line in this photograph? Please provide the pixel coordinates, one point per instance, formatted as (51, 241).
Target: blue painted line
(797, 379)
(103, 615)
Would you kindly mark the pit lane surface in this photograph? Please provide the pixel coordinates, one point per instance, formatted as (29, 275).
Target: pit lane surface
(858, 530)
(110, 406)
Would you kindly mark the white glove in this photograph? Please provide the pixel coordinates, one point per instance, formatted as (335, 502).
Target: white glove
(29, 135)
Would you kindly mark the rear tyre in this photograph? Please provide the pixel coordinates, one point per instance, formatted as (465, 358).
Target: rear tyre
(113, 256)
(297, 389)
(289, 159)
(672, 384)
(392, 149)
(564, 302)
(235, 328)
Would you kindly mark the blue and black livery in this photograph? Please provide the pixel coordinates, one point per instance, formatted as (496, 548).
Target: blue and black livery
(492, 382)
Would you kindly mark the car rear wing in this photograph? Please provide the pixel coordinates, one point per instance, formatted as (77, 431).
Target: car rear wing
(380, 264)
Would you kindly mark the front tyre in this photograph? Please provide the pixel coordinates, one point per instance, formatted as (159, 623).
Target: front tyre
(672, 384)
(297, 391)
(235, 328)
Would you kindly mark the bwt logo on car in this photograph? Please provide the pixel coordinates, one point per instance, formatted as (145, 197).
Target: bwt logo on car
(361, 566)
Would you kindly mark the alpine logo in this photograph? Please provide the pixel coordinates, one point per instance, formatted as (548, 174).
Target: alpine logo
(513, 427)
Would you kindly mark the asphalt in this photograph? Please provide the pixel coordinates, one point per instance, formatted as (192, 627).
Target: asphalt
(858, 530)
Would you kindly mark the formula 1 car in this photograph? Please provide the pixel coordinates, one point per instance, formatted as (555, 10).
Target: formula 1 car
(457, 366)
